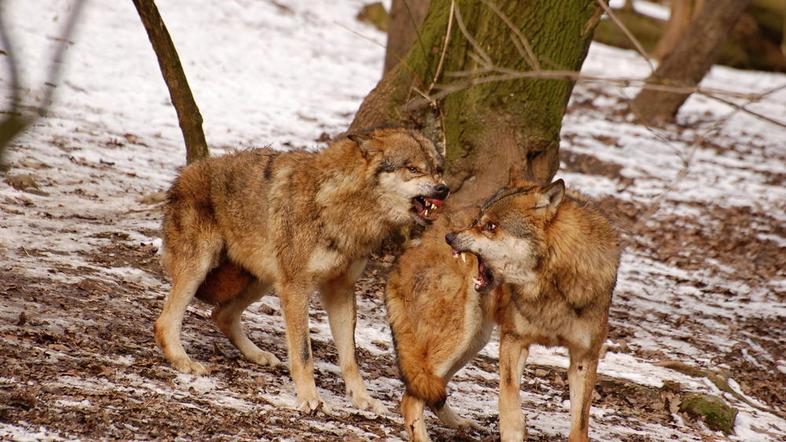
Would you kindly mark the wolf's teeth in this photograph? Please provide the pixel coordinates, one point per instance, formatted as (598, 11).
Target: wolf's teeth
(464, 257)
(433, 207)
(477, 282)
(426, 212)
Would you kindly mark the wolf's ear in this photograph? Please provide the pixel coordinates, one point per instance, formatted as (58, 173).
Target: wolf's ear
(364, 143)
(552, 194)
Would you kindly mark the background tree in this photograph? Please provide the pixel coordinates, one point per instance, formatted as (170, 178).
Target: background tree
(188, 115)
(754, 42)
(689, 62)
(680, 16)
(455, 85)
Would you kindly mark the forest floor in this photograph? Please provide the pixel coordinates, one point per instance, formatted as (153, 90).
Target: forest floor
(700, 305)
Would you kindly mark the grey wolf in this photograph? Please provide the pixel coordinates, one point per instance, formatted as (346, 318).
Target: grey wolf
(239, 225)
(542, 265)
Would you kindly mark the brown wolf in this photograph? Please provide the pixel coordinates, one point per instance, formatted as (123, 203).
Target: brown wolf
(238, 225)
(546, 266)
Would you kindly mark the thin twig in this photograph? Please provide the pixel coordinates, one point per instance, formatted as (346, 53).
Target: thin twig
(627, 33)
(526, 51)
(471, 40)
(744, 108)
(444, 47)
(416, 27)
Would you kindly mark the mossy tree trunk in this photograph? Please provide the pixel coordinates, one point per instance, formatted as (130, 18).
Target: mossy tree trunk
(490, 129)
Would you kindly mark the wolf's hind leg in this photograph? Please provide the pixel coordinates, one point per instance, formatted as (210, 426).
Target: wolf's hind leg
(512, 356)
(338, 298)
(582, 374)
(227, 317)
(187, 274)
(412, 411)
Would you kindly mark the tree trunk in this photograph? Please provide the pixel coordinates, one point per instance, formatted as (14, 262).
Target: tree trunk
(491, 129)
(679, 20)
(406, 16)
(187, 111)
(689, 62)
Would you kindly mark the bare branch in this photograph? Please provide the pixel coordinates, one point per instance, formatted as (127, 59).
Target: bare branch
(627, 33)
(444, 47)
(470, 39)
(188, 115)
(16, 123)
(522, 44)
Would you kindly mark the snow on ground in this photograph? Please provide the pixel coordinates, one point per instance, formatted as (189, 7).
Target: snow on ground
(702, 280)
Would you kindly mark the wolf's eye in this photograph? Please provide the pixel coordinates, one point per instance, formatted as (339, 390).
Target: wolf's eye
(413, 169)
(489, 227)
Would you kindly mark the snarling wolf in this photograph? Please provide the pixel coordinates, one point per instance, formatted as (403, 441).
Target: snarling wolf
(542, 265)
(297, 222)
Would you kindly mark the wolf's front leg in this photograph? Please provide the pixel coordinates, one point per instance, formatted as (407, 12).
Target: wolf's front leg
(513, 354)
(294, 306)
(338, 299)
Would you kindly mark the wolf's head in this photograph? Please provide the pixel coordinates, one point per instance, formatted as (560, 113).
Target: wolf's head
(509, 236)
(408, 167)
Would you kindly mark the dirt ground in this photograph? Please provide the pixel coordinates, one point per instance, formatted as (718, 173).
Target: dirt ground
(78, 359)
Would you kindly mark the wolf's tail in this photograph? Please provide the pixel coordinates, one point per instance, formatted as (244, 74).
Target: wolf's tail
(416, 372)
(422, 383)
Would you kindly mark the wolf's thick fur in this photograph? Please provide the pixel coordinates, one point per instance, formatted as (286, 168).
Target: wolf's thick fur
(239, 225)
(550, 264)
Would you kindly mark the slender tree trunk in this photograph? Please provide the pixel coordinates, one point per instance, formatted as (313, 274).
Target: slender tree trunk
(187, 111)
(681, 12)
(406, 16)
(690, 60)
(489, 129)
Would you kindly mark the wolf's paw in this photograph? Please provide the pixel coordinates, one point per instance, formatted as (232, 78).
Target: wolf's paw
(517, 435)
(264, 358)
(313, 404)
(468, 424)
(186, 365)
(366, 402)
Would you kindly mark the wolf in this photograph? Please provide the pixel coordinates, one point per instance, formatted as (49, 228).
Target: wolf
(543, 268)
(239, 225)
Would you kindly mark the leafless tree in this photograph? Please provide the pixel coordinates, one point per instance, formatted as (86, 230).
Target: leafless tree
(689, 62)
(188, 114)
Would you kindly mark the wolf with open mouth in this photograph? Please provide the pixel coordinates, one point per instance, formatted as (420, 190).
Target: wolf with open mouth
(239, 225)
(537, 262)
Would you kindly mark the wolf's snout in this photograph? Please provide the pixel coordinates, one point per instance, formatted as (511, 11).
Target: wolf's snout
(450, 237)
(441, 191)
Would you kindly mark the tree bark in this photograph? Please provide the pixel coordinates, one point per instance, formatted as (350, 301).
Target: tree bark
(188, 115)
(488, 130)
(406, 16)
(689, 62)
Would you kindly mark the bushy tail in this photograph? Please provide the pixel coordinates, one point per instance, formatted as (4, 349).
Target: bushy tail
(416, 372)
(422, 383)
